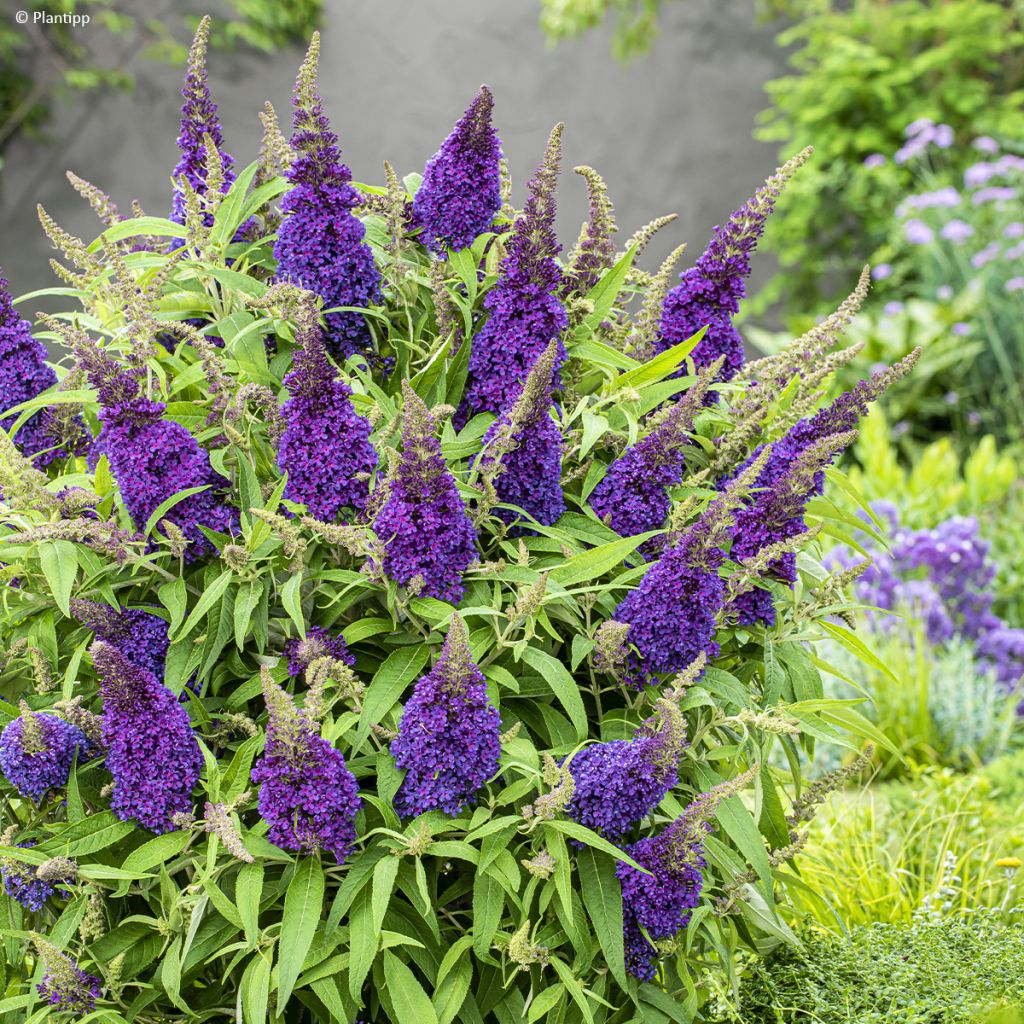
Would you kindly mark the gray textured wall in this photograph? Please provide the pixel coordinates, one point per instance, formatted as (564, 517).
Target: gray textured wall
(671, 133)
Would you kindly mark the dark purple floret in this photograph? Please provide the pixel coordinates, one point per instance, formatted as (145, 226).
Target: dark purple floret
(139, 635)
(429, 539)
(620, 782)
(448, 740)
(65, 986)
(709, 293)
(671, 614)
(525, 314)
(24, 374)
(308, 796)
(325, 448)
(461, 188)
(522, 450)
(319, 643)
(152, 753)
(152, 458)
(37, 751)
(199, 119)
(320, 242)
(633, 497)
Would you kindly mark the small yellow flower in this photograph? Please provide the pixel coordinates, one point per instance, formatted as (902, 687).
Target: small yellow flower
(1010, 863)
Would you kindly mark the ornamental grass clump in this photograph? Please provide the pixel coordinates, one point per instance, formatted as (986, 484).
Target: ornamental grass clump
(395, 591)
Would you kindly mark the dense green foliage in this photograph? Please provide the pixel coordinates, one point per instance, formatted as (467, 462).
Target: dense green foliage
(960, 971)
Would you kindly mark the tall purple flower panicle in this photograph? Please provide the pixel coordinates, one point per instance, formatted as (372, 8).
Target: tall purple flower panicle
(662, 901)
(319, 643)
(37, 751)
(671, 614)
(525, 313)
(139, 635)
(429, 539)
(709, 293)
(65, 986)
(24, 374)
(792, 474)
(461, 188)
(325, 448)
(152, 752)
(448, 740)
(633, 495)
(522, 449)
(620, 782)
(199, 119)
(152, 458)
(594, 251)
(320, 243)
(308, 796)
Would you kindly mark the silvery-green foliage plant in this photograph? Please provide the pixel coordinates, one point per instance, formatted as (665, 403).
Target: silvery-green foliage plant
(401, 612)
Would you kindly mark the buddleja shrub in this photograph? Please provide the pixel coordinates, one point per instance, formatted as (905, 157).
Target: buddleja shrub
(401, 619)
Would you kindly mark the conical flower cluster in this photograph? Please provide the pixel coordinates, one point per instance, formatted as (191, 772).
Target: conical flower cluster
(325, 448)
(152, 752)
(794, 473)
(618, 783)
(37, 751)
(320, 243)
(307, 796)
(199, 121)
(429, 539)
(65, 986)
(522, 449)
(449, 737)
(153, 458)
(139, 635)
(671, 614)
(461, 188)
(633, 496)
(22, 883)
(709, 293)
(525, 313)
(23, 375)
(661, 902)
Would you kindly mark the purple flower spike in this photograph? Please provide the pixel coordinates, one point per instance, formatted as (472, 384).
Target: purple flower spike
(633, 496)
(24, 374)
(671, 614)
(151, 458)
(320, 245)
(22, 883)
(139, 635)
(152, 752)
(325, 448)
(662, 902)
(523, 449)
(709, 293)
(525, 314)
(308, 796)
(619, 783)
(449, 738)
(65, 986)
(37, 751)
(429, 539)
(461, 188)
(199, 119)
